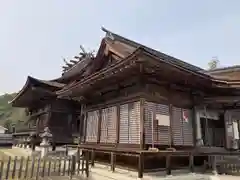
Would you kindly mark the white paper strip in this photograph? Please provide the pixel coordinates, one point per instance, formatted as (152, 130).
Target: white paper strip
(235, 130)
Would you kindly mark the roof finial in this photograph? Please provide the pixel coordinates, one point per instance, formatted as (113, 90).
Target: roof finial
(108, 33)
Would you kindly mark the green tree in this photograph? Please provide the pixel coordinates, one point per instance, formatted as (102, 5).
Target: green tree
(214, 63)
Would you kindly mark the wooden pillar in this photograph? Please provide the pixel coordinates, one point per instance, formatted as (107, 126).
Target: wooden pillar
(87, 163)
(194, 126)
(85, 125)
(99, 126)
(37, 125)
(168, 164)
(113, 161)
(191, 163)
(214, 164)
(142, 117)
(33, 146)
(92, 157)
(171, 125)
(118, 125)
(197, 123)
(80, 128)
(81, 124)
(53, 147)
(66, 150)
(140, 165)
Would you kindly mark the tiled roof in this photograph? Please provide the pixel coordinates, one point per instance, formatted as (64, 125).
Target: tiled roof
(75, 70)
(34, 81)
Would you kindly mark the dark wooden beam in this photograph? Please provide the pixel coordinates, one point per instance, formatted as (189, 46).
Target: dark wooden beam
(222, 99)
(171, 124)
(142, 120)
(118, 124)
(99, 125)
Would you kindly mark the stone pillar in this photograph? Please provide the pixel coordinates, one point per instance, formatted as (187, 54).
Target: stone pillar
(199, 140)
(44, 149)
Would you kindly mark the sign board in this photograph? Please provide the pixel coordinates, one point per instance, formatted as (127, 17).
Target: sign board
(163, 120)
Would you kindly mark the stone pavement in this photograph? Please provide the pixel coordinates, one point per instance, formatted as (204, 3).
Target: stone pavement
(13, 152)
(185, 177)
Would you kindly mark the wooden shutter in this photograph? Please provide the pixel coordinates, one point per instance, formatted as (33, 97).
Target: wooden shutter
(111, 124)
(177, 130)
(148, 112)
(124, 124)
(134, 123)
(92, 126)
(104, 124)
(155, 134)
(187, 128)
(163, 132)
(95, 125)
(89, 127)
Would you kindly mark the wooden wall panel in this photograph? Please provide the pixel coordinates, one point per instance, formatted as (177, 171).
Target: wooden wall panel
(60, 126)
(108, 125)
(124, 124)
(148, 123)
(177, 126)
(187, 127)
(130, 123)
(92, 126)
(182, 127)
(134, 123)
(104, 129)
(112, 124)
(164, 136)
(155, 134)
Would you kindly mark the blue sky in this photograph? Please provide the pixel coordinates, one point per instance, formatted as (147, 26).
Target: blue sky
(35, 35)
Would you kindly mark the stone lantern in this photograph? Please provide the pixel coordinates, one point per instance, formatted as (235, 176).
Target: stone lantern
(45, 144)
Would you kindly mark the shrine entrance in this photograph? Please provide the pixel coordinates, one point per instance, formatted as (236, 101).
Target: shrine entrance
(213, 131)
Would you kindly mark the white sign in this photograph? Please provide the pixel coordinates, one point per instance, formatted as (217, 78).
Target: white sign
(235, 130)
(163, 120)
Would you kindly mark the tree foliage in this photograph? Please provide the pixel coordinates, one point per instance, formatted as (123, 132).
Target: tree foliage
(8, 114)
(214, 63)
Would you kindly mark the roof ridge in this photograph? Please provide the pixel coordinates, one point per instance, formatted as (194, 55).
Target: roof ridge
(222, 68)
(156, 52)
